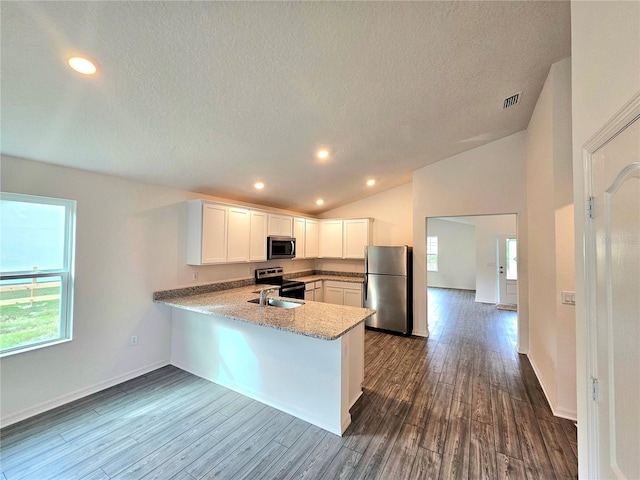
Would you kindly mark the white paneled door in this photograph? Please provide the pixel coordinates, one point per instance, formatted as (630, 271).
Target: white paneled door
(614, 295)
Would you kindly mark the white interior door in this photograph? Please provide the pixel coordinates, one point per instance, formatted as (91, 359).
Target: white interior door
(615, 296)
(507, 263)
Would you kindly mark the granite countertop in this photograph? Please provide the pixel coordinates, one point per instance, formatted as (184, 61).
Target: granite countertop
(313, 319)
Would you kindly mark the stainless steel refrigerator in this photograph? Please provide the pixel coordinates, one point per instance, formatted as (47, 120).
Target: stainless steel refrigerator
(388, 288)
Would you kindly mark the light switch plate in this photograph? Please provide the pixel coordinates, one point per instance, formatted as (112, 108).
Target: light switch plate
(568, 298)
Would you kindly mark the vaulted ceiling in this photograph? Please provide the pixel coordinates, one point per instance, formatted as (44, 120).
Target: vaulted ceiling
(212, 97)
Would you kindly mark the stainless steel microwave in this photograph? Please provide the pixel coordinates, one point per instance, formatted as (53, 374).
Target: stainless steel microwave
(281, 247)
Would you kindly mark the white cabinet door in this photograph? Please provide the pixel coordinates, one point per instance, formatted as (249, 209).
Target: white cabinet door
(331, 239)
(286, 226)
(318, 292)
(258, 247)
(280, 225)
(214, 233)
(353, 297)
(238, 235)
(299, 235)
(334, 295)
(356, 237)
(311, 239)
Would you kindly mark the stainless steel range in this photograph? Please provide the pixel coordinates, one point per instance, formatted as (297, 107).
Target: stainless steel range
(274, 276)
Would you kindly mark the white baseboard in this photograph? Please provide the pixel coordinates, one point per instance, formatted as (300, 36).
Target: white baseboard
(420, 333)
(76, 395)
(557, 412)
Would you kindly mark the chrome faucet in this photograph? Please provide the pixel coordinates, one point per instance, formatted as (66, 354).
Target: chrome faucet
(264, 295)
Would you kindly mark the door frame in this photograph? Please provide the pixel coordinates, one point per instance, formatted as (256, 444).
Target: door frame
(626, 116)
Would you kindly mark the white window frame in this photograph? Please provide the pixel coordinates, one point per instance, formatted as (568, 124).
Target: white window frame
(430, 243)
(66, 273)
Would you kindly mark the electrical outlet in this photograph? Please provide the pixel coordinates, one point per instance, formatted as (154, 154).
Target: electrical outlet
(195, 276)
(134, 340)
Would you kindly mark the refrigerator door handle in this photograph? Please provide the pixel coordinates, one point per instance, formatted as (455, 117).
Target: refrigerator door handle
(364, 287)
(366, 272)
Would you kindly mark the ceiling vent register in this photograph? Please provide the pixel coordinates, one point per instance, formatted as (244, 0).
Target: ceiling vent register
(512, 100)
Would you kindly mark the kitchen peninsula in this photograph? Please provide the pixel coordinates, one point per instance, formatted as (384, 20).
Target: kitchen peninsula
(307, 361)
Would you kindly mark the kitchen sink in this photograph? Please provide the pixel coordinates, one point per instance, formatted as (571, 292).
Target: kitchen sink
(275, 302)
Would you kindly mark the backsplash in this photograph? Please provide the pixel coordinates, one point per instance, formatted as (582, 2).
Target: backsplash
(216, 287)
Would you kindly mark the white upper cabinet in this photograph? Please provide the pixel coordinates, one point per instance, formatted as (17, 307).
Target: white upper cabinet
(331, 239)
(356, 236)
(258, 247)
(207, 233)
(344, 238)
(311, 238)
(299, 235)
(238, 235)
(280, 225)
(219, 233)
(222, 233)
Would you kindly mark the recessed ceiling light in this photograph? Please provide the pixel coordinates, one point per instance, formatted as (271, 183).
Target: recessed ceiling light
(259, 185)
(322, 154)
(83, 65)
(371, 182)
(319, 201)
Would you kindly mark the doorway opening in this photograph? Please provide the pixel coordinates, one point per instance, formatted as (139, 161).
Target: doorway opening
(474, 253)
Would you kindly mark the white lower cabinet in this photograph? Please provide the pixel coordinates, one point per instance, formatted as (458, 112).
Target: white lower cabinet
(313, 291)
(308, 291)
(343, 293)
(334, 295)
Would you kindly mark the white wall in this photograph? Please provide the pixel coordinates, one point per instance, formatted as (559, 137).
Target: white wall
(392, 210)
(130, 241)
(456, 254)
(551, 253)
(486, 180)
(605, 63)
(487, 229)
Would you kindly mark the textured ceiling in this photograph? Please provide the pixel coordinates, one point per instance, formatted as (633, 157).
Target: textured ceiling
(211, 97)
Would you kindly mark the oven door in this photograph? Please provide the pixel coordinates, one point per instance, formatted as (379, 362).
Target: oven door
(281, 247)
(293, 290)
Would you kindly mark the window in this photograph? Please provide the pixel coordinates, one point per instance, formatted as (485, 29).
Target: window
(432, 254)
(36, 271)
(512, 258)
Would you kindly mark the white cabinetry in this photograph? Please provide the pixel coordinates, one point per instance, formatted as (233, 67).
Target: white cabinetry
(308, 291)
(313, 291)
(281, 225)
(356, 237)
(318, 292)
(238, 235)
(331, 239)
(258, 247)
(344, 238)
(219, 233)
(343, 293)
(353, 296)
(207, 233)
(311, 238)
(299, 235)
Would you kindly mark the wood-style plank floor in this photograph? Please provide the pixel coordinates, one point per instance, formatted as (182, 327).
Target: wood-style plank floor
(461, 404)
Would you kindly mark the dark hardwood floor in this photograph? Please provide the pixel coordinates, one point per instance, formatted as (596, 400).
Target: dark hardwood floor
(461, 404)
